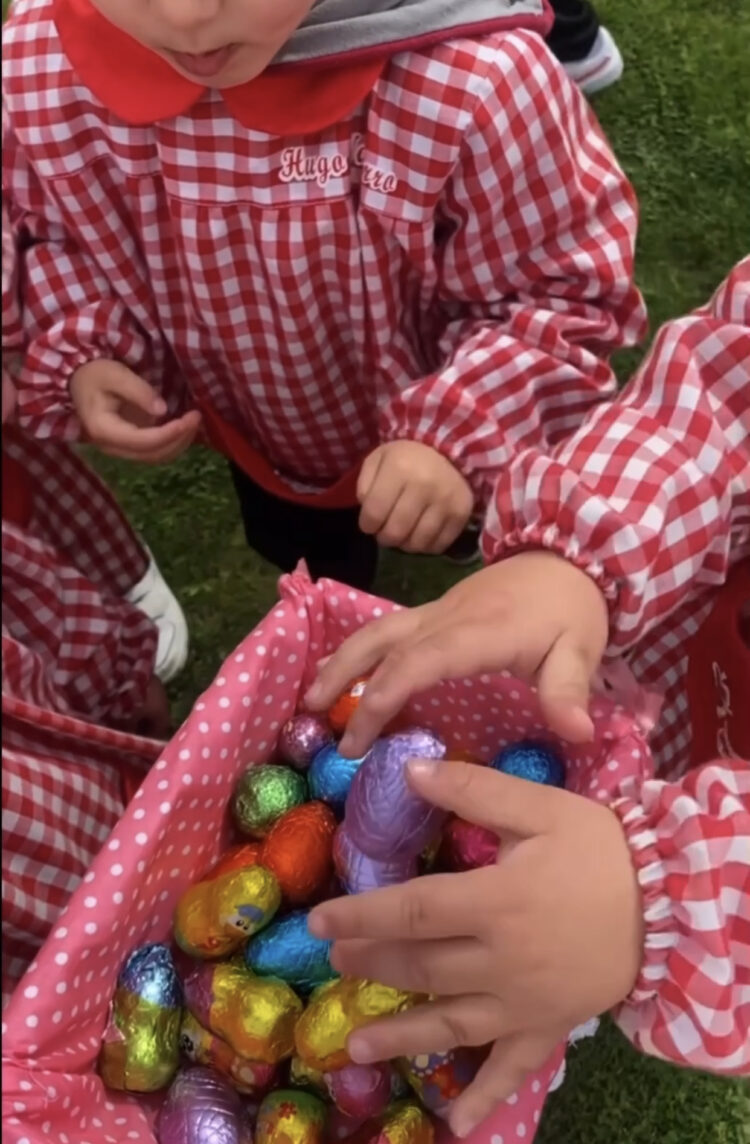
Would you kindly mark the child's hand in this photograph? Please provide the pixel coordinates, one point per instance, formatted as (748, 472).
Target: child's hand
(413, 498)
(535, 614)
(119, 411)
(518, 953)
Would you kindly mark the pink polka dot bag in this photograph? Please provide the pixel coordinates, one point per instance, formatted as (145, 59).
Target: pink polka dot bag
(177, 825)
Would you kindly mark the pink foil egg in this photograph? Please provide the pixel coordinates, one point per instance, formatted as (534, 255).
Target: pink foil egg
(203, 1108)
(301, 738)
(466, 846)
(360, 1091)
(384, 818)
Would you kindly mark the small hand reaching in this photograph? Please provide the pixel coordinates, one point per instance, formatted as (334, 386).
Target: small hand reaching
(119, 412)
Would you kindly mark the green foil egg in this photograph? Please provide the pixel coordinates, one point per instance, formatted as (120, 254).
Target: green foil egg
(263, 794)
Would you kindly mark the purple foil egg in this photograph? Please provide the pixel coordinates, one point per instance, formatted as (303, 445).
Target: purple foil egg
(360, 1091)
(384, 818)
(358, 873)
(203, 1108)
(301, 738)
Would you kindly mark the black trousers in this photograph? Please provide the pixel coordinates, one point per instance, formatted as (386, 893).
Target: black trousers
(574, 30)
(284, 533)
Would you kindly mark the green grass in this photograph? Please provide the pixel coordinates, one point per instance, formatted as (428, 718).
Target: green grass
(680, 123)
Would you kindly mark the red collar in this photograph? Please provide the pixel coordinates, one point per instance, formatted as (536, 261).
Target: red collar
(144, 89)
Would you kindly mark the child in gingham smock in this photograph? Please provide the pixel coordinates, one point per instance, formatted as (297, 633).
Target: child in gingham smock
(633, 536)
(376, 249)
(81, 660)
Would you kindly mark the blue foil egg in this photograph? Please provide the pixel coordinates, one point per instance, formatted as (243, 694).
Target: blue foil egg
(331, 775)
(536, 762)
(288, 950)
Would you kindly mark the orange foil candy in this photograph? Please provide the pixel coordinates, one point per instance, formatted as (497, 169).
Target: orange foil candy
(346, 704)
(299, 851)
(238, 858)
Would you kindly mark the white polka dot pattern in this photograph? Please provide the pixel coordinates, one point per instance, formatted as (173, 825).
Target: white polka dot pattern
(175, 828)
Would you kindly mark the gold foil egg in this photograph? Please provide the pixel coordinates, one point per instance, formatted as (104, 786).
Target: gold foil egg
(301, 1076)
(256, 1016)
(289, 1116)
(141, 1045)
(214, 917)
(336, 1010)
(202, 1047)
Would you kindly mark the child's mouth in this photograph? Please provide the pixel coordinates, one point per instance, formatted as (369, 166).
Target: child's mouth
(205, 64)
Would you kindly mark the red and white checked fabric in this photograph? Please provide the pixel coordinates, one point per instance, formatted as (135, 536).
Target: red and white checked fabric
(652, 498)
(451, 262)
(62, 794)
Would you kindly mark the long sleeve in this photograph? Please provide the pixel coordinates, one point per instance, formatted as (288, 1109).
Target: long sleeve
(651, 496)
(690, 843)
(70, 311)
(535, 274)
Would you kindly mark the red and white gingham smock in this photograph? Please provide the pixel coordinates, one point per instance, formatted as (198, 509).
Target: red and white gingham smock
(451, 262)
(652, 498)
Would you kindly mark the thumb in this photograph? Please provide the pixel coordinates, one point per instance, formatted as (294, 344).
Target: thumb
(122, 383)
(563, 684)
(501, 803)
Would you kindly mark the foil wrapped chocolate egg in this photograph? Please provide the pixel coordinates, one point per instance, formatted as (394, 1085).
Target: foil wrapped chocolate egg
(439, 1078)
(301, 1076)
(263, 794)
(201, 1107)
(358, 873)
(360, 1091)
(256, 1016)
(466, 846)
(290, 1116)
(301, 738)
(299, 851)
(536, 762)
(213, 918)
(288, 950)
(141, 1045)
(335, 1011)
(236, 858)
(346, 704)
(331, 776)
(401, 1123)
(384, 817)
(201, 1047)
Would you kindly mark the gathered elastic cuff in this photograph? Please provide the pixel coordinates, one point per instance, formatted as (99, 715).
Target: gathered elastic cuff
(660, 932)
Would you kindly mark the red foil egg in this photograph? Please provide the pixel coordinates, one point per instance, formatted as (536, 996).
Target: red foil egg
(299, 851)
(237, 858)
(466, 846)
(346, 704)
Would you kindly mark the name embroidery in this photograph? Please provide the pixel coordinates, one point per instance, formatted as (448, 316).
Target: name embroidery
(299, 166)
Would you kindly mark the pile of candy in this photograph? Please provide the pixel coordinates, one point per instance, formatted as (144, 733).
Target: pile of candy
(249, 999)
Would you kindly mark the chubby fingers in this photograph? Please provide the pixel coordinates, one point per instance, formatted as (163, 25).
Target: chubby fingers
(564, 682)
(441, 967)
(436, 1027)
(511, 1060)
(437, 906)
(155, 444)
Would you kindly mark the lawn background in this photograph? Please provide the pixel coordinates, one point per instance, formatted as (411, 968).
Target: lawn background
(680, 124)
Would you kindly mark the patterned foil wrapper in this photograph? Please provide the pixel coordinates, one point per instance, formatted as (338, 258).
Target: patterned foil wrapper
(439, 1078)
(263, 794)
(140, 1047)
(536, 762)
(203, 1108)
(302, 738)
(361, 1092)
(299, 851)
(331, 776)
(358, 873)
(335, 1011)
(288, 950)
(256, 1016)
(384, 818)
(202, 1047)
(290, 1116)
(214, 917)
(402, 1123)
